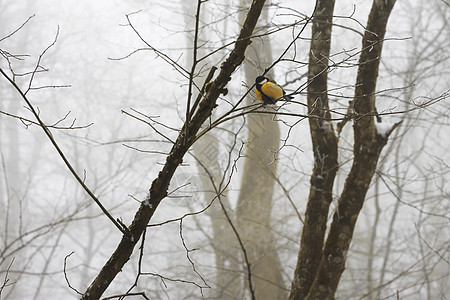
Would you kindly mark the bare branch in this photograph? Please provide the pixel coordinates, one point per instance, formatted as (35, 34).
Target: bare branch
(18, 28)
(65, 273)
(61, 153)
(6, 280)
(194, 65)
(54, 126)
(164, 56)
(189, 258)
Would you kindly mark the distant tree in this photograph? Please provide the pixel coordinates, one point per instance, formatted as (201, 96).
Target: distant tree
(257, 190)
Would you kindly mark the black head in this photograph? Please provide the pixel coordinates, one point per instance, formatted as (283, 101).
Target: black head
(261, 80)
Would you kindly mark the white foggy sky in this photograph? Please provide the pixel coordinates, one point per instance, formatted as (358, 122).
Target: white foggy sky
(90, 33)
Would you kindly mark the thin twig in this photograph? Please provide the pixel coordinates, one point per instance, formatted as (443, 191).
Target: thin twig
(164, 56)
(194, 65)
(173, 279)
(431, 248)
(189, 258)
(149, 124)
(54, 126)
(236, 233)
(18, 28)
(6, 280)
(127, 295)
(65, 273)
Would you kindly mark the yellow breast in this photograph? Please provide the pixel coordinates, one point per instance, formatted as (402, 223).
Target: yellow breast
(272, 90)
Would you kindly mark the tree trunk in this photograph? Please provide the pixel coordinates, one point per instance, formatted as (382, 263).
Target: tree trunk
(318, 271)
(367, 148)
(324, 145)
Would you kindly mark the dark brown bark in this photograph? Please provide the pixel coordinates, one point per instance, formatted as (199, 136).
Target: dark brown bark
(367, 148)
(160, 185)
(324, 145)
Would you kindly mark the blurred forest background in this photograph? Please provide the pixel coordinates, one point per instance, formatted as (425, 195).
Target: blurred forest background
(100, 86)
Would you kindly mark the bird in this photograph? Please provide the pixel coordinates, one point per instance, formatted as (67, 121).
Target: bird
(268, 91)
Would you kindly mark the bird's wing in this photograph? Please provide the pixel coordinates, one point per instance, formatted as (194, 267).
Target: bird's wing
(272, 90)
(258, 95)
